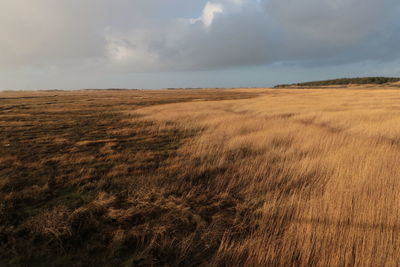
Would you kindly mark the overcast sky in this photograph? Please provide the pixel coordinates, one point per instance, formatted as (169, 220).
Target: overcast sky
(72, 44)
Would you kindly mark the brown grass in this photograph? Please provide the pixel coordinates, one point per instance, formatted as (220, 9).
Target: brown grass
(252, 178)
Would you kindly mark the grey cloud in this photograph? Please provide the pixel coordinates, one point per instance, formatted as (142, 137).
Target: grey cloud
(264, 32)
(343, 22)
(336, 30)
(72, 33)
(155, 35)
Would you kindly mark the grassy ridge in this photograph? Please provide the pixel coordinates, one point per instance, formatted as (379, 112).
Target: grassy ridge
(344, 81)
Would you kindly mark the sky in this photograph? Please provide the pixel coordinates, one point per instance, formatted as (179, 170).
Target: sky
(75, 44)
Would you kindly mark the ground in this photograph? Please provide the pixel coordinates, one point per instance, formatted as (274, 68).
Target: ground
(200, 177)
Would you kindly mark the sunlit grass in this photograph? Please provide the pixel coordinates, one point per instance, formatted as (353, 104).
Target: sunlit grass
(253, 177)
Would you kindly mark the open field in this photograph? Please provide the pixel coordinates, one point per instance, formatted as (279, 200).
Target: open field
(241, 177)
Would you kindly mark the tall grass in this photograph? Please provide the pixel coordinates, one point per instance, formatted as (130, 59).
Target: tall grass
(320, 168)
(286, 178)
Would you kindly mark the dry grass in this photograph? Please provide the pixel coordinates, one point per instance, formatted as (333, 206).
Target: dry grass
(262, 178)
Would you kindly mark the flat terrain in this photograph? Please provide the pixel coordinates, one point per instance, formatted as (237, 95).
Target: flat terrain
(248, 177)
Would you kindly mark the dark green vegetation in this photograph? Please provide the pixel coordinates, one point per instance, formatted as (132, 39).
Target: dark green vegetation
(344, 81)
(85, 182)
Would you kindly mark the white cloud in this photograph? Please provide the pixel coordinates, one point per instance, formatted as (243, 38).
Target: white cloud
(128, 52)
(209, 12)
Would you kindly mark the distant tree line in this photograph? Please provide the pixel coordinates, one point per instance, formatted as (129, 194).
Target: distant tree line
(345, 81)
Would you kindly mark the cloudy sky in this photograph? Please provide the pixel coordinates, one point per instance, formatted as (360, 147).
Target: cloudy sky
(72, 44)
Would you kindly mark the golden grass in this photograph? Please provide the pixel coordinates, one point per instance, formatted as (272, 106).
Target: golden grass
(261, 177)
(323, 164)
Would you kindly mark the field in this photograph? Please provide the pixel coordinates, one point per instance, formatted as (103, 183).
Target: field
(239, 177)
